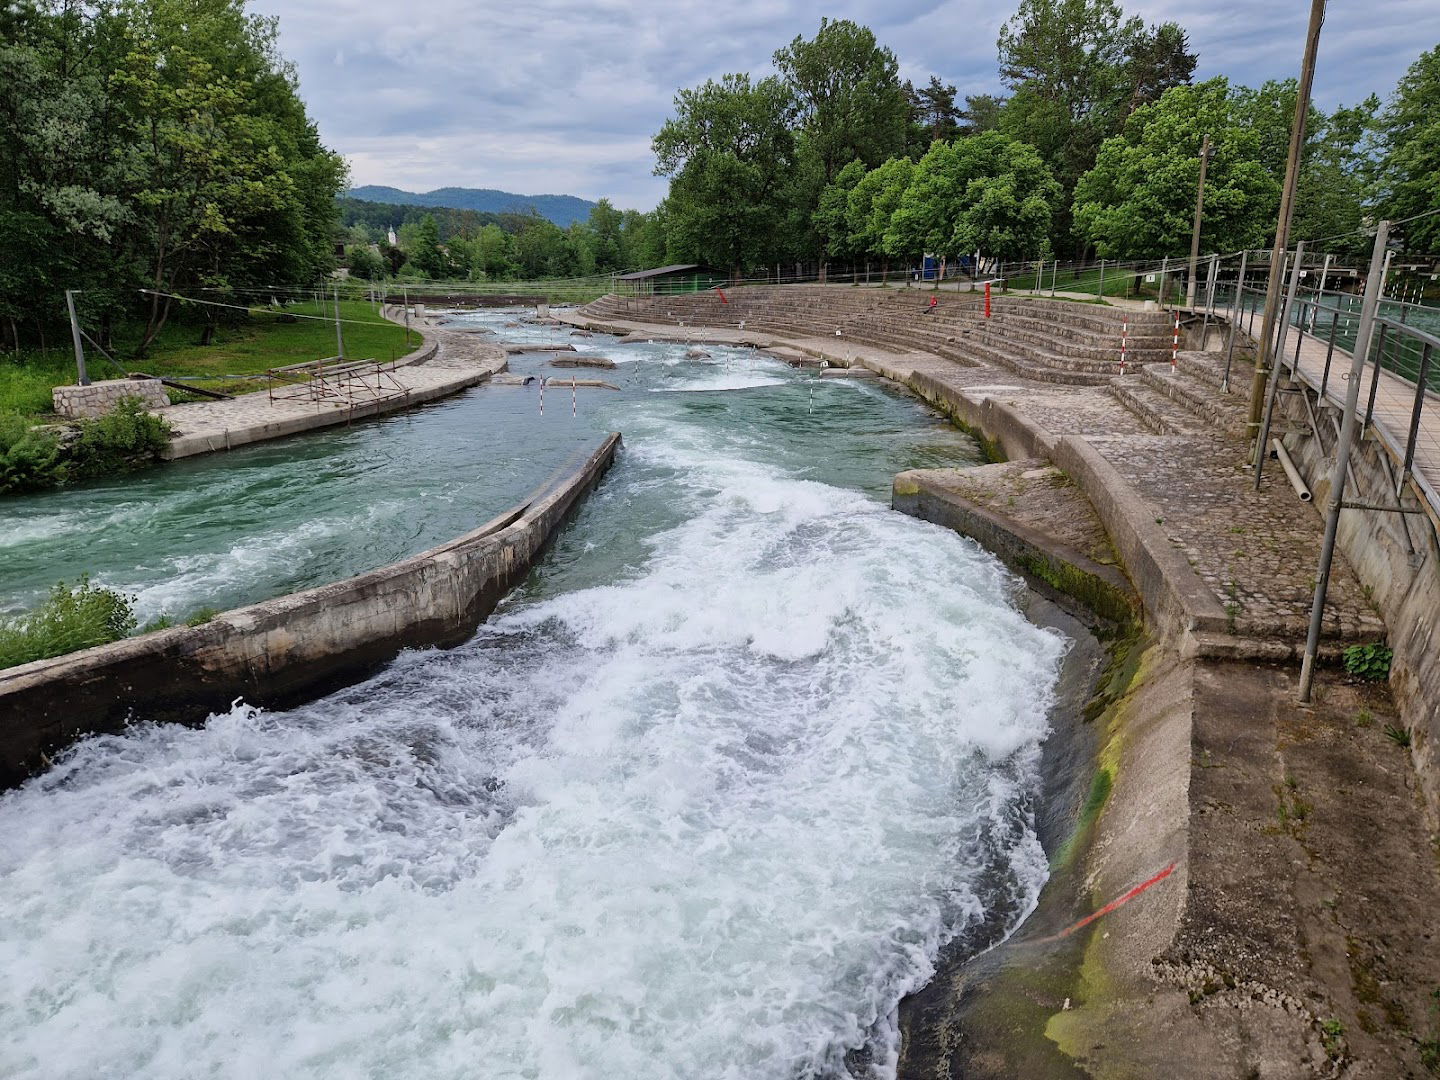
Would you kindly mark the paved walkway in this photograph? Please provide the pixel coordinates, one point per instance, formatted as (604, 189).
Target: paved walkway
(446, 363)
(1394, 407)
(1256, 552)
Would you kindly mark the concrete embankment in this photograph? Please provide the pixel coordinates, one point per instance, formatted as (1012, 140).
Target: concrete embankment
(287, 650)
(446, 363)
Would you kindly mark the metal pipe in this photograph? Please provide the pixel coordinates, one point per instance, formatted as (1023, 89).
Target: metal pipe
(1342, 460)
(1278, 357)
(1297, 482)
(1237, 312)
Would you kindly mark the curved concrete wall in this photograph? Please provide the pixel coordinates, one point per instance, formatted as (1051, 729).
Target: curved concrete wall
(287, 650)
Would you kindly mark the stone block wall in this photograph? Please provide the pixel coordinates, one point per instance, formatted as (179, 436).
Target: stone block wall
(99, 398)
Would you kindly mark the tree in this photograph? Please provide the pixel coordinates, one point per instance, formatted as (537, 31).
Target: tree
(729, 152)
(831, 216)
(849, 104)
(364, 263)
(933, 108)
(1139, 199)
(426, 254)
(1078, 68)
(981, 114)
(606, 224)
(986, 192)
(494, 253)
(848, 97)
(873, 203)
(1409, 166)
(158, 144)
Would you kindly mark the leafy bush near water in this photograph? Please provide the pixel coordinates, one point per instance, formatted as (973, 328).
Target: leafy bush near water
(69, 619)
(30, 457)
(34, 458)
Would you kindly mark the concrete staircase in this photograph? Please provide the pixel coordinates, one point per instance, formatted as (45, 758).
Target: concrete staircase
(1049, 341)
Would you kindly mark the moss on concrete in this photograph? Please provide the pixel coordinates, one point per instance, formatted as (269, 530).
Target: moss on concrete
(1097, 594)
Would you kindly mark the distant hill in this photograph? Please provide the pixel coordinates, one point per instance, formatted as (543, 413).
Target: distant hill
(561, 209)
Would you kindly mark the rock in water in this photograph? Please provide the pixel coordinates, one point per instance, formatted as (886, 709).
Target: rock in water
(583, 361)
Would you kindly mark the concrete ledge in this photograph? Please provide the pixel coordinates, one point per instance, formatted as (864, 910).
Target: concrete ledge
(1002, 429)
(284, 651)
(1029, 552)
(323, 416)
(1175, 598)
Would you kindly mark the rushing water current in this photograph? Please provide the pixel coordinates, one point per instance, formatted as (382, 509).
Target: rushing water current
(702, 800)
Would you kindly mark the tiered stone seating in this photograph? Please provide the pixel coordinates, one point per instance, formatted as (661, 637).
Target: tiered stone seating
(1045, 340)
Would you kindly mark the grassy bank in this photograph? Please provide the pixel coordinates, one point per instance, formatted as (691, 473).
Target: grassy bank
(257, 341)
(1118, 282)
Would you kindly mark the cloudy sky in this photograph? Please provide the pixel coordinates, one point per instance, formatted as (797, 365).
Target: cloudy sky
(549, 96)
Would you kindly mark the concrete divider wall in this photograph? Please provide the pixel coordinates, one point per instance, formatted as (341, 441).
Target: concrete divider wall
(284, 651)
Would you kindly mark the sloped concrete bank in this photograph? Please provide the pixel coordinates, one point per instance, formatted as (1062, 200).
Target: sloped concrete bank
(288, 650)
(1215, 849)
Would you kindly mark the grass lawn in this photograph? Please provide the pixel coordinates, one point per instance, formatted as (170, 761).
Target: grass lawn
(1117, 282)
(261, 342)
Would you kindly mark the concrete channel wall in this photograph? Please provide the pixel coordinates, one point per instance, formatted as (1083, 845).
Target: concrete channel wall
(1395, 556)
(282, 652)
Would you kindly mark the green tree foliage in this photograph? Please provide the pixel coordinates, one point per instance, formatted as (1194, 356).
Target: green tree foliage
(154, 143)
(364, 262)
(848, 97)
(981, 114)
(1139, 199)
(69, 619)
(730, 152)
(933, 110)
(1077, 69)
(986, 192)
(605, 237)
(425, 252)
(832, 215)
(873, 203)
(1410, 153)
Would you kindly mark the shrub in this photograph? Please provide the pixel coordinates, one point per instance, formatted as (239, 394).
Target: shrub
(128, 435)
(1369, 662)
(30, 457)
(69, 619)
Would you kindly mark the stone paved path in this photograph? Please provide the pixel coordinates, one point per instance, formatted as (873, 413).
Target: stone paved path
(459, 360)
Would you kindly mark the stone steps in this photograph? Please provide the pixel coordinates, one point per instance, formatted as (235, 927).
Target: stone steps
(1155, 410)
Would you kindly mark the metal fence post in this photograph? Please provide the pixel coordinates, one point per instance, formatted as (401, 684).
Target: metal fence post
(83, 377)
(1342, 460)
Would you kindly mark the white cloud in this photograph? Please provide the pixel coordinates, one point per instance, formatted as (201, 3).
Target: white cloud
(552, 96)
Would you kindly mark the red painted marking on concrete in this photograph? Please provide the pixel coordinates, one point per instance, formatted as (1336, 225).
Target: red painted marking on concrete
(1136, 891)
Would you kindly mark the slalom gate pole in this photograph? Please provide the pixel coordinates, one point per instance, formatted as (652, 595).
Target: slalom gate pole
(1175, 346)
(1124, 341)
(542, 395)
(574, 403)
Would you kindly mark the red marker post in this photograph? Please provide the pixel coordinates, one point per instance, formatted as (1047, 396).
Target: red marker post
(987, 299)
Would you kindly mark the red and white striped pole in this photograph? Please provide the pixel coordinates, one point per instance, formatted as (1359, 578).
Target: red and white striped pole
(1175, 347)
(1124, 341)
(574, 405)
(542, 395)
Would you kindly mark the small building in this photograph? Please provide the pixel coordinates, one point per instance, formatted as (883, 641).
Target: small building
(668, 280)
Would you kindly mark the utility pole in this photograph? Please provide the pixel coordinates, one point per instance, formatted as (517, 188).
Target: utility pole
(339, 337)
(1287, 213)
(1195, 232)
(84, 377)
(1363, 335)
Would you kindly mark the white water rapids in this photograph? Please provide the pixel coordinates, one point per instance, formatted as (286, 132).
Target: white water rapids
(709, 813)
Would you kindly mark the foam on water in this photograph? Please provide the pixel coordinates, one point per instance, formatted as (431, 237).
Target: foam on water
(711, 818)
(703, 800)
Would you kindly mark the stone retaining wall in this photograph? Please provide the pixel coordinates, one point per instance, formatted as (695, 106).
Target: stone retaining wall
(99, 398)
(282, 652)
